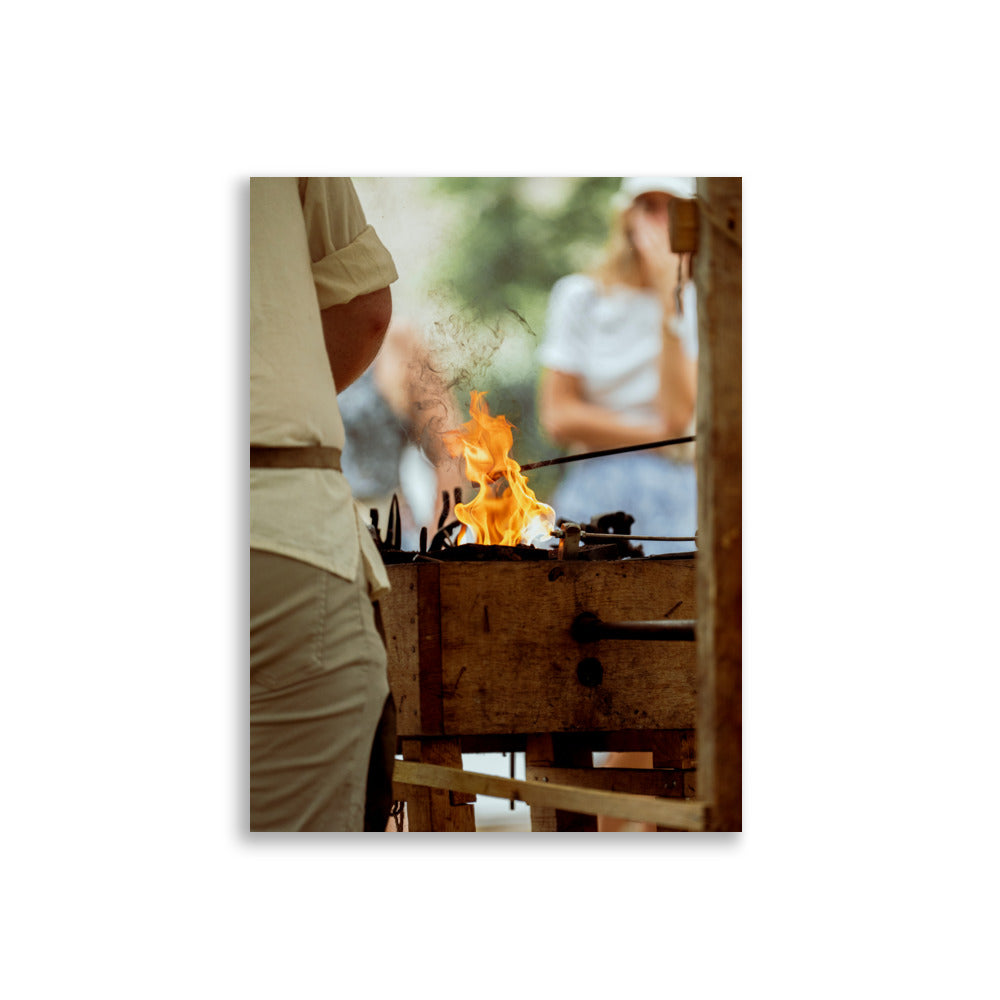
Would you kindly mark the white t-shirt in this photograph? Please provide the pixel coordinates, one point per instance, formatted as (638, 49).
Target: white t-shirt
(612, 341)
(310, 248)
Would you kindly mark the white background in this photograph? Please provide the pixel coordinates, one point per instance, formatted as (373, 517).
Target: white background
(864, 137)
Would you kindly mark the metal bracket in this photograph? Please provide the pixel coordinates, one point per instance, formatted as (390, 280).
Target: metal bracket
(569, 547)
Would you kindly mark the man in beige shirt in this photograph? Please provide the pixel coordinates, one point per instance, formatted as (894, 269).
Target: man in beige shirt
(319, 308)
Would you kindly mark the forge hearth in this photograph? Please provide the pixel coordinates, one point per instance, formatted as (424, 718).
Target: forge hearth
(487, 646)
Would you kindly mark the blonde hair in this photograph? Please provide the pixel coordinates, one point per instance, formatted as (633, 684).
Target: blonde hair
(620, 264)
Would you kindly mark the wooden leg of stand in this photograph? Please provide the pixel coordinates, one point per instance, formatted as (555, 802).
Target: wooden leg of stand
(435, 810)
(545, 751)
(683, 776)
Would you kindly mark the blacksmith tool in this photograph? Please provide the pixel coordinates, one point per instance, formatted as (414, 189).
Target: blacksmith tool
(599, 536)
(607, 451)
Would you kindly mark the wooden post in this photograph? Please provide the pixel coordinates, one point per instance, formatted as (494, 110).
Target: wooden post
(719, 279)
(434, 810)
(546, 750)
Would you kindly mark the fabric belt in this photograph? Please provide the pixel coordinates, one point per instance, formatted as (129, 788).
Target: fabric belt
(315, 457)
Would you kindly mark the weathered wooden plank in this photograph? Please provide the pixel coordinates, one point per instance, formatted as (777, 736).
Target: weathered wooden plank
(540, 754)
(510, 665)
(718, 276)
(544, 751)
(670, 813)
(433, 809)
(494, 743)
(507, 661)
(637, 781)
(400, 621)
(673, 748)
(670, 748)
(429, 620)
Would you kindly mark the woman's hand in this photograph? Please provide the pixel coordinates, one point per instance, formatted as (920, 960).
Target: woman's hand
(651, 239)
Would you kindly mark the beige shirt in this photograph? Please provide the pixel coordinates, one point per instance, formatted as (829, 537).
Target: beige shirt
(310, 248)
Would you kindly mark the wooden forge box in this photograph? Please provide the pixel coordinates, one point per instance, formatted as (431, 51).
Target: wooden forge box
(486, 647)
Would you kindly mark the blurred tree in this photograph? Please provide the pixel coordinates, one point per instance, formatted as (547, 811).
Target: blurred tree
(515, 238)
(512, 245)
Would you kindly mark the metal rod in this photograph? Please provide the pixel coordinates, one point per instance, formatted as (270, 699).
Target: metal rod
(559, 533)
(586, 535)
(588, 627)
(607, 451)
(664, 631)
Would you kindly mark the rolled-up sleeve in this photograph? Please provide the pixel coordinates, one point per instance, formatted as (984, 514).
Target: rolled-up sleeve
(348, 258)
(363, 266)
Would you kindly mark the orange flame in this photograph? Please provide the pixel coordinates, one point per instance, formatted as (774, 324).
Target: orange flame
(504, 511)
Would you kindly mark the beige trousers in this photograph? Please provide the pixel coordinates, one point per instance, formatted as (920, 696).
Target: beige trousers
(317, 687)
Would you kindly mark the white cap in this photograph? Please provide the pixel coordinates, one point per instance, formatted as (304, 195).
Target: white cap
(632, 187)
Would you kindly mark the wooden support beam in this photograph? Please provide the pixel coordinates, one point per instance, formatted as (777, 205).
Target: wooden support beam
(671, 747)
(545, 751)
(718, 274)
(633, 780)
(429, 653)
(432, 809)
(411, 776)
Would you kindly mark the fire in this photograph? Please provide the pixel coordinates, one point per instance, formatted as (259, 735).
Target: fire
(504, 511)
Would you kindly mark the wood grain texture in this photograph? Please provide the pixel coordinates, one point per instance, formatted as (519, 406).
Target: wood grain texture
(669, 813)
(434, 809)
(544, 752)
(673, 748)
(718, 275)
(636, 781)
(509, 663)
(494, 649)
(429, 646)
(399, 609)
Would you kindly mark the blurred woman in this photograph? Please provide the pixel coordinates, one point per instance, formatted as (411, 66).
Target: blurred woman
(619, 364)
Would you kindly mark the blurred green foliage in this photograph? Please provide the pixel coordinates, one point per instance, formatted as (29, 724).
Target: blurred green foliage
(515, 238)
